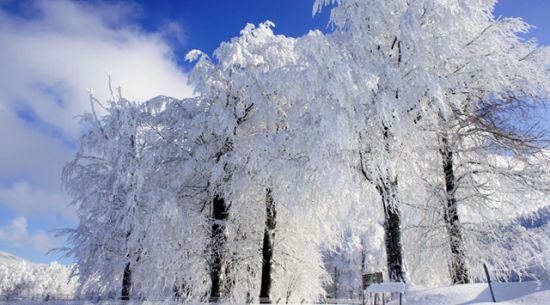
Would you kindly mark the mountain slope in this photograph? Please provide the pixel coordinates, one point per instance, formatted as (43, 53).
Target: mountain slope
(8, 259)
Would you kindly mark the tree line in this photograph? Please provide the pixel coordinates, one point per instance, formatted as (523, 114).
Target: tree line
(408, 123)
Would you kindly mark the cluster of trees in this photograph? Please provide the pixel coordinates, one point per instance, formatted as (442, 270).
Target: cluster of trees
(404, 128)
(20, 279)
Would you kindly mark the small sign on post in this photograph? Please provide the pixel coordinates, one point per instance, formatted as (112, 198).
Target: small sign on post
(372, 278)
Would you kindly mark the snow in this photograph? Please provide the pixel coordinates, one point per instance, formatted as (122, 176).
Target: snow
(21, 279)
(532, 293)
(8, 259)
(387, 287)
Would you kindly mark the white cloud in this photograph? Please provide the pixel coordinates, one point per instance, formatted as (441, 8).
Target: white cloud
(48, 62)
(173, 32)
(15, 231)
(23, 199)
(17, 234)
(50, 56)
(29, 152)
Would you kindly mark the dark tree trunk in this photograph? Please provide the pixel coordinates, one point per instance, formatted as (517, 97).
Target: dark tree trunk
(336, 279)
(459, 270)
(394, 251)
(267, 248)
(126, 283)
(217, 264)
(127, 275)
(392, 230)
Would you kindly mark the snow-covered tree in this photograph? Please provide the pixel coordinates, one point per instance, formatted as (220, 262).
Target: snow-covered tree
(268, 148)
(296, 153)
(176, 166)
(105, 181)
(444, 63)
(20, 279)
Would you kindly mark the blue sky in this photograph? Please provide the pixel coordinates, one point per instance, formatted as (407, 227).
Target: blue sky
(54, 51)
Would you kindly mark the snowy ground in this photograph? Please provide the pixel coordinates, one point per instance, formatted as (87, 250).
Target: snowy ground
(527, 293)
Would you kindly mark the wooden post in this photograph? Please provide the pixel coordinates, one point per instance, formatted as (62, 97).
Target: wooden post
(489, 281)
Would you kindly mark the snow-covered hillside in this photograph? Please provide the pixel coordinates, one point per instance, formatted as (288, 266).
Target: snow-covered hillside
(21, 279)
(8, 259)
